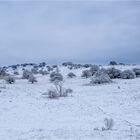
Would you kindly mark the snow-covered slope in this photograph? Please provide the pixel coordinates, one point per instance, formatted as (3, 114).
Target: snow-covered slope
(26, 114)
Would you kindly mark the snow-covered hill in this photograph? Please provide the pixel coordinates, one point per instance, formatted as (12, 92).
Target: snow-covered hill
(26, 114)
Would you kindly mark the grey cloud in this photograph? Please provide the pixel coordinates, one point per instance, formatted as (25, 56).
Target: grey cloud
(77, 31)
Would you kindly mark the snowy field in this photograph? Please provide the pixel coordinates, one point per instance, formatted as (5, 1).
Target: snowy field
(26, 114)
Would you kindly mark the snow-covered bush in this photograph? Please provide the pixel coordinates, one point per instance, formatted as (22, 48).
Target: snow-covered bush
(43, 64)
(43, 72)
(54, 66)
(69, 90)
(32, 79)
(137, 71)
(76, 66)
(56, 77)
(49, 68)
(16, 73)
(109, 123)
(34, 70)
(14, 67)
(128, 74)
(100, 77)
(71, 75)
(94, 69)
(52, 74)
(113, 63)
(87, 65)
(121, 64)
(67, 64)
(26, 74)
(100, 72)
(70, 67)
(3, 72)
(113, 73)
(35, 66)
(86, 74)
(57, 70)
(10, 80)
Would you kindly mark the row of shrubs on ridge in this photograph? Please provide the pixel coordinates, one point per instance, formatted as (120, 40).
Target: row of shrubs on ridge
(98, 75)
(70, 65)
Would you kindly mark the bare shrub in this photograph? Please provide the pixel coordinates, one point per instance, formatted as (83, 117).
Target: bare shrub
(109, 123)
(52, 93)
(58, 91)
(59, 88)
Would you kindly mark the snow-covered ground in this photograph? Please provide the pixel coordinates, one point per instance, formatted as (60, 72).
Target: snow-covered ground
(26, 114)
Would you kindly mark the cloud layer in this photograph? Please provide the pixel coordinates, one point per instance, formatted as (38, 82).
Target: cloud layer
(85, 32)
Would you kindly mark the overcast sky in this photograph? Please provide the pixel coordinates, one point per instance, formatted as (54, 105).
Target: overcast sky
(78, 31)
